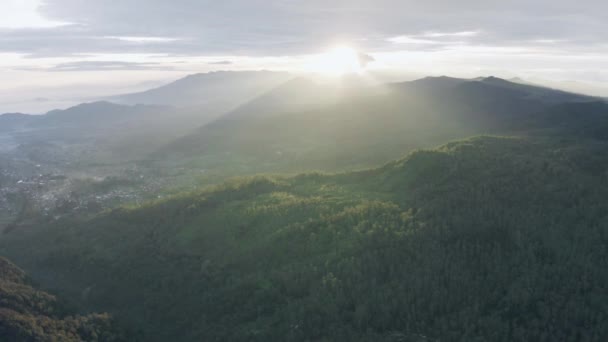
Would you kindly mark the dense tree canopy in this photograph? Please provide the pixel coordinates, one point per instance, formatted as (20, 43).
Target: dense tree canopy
(490, 238)
(31, 315)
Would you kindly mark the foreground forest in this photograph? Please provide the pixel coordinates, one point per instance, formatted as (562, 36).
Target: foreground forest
(488, 238)
(30, 315)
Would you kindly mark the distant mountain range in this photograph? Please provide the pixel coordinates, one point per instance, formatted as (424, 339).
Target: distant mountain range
(298, 125)
(515, 88)
(219, 91)
(289, 121)
(12, 121)
(114, 131)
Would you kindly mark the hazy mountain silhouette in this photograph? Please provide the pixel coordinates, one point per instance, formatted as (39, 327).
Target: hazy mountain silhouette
(97, 114)
(114, 130)
(218, 91)
(286, 126)
(11, 121)
(490, 86)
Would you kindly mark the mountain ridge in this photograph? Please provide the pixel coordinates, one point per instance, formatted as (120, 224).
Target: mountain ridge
(220, 90)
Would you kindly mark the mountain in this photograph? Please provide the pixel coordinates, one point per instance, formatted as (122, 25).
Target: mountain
(486, 238)
(543, 93)
(432, 83)
(100, 113)
(582, 120)
(483, 239)
(29, 314)
(297, 94)
(498, 86)
(105, 131)
(357, 126)
(220, 91)
(12, 121)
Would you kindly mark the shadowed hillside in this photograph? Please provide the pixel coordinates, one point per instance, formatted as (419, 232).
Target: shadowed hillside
(31, 315)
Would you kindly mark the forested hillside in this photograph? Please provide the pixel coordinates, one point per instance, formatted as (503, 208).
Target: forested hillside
(490, 238)
(31, 315)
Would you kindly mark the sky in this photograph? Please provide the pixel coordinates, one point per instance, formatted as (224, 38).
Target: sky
(55, 53)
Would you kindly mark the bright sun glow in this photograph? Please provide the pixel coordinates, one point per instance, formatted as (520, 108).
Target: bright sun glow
(338, 61)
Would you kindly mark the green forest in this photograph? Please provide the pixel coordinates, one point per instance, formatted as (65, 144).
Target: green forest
(28, 314)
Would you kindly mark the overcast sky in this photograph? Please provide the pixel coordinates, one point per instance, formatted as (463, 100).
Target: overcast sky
(56, 52)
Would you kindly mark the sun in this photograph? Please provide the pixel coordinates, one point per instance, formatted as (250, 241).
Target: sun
(338, 61)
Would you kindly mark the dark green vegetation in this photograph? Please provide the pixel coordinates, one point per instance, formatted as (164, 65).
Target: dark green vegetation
(491, 238)
(500, 239)
(28, 314)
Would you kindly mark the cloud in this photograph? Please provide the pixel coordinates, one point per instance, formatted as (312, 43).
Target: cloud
(364, 59)
(232, 30)
(99, 66)
(17, 14)
(411, 40)
(141, 40)
(288, 27)
(451, 34)
(221, 63)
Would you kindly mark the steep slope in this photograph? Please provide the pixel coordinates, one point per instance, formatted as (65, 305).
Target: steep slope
(220, 91)
(498, 239)
(31, 315)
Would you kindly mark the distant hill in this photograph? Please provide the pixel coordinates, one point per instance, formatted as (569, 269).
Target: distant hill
(218, 91)
(497, 85)
(96, 114)
(107, 131)
(12, 121)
